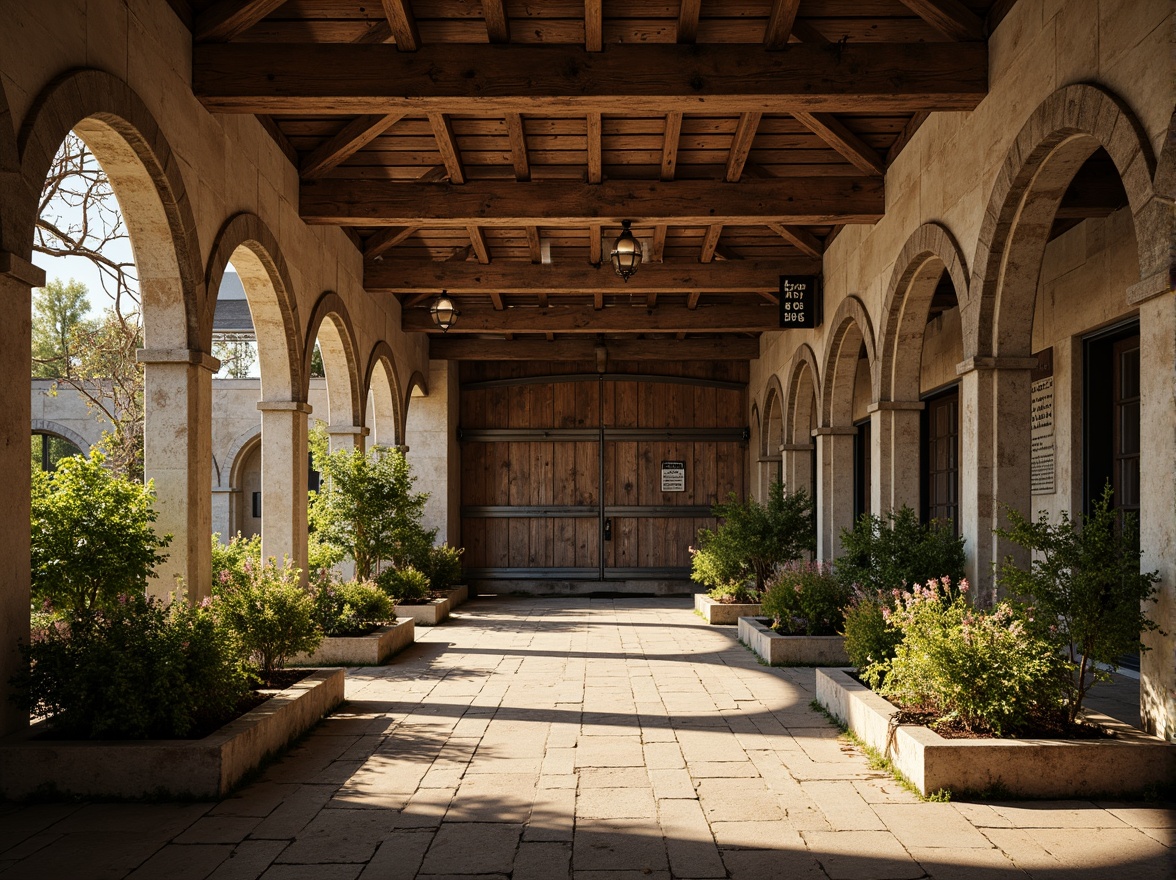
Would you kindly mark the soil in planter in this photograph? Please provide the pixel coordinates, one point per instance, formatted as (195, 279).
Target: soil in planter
(360, 631)
(1043, 729)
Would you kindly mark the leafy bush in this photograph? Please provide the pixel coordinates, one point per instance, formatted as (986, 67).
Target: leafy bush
(351, 608)
(270, 613)
(735, 594)
(229, 560)
(321, 559)
(406, 585)
(868, 640)
(992, 671)
(754, 538)
(806, 599)
(443, 566)
(882, 553)
(366, 508)
(134, 670)
(92, 536)
(1086, 584)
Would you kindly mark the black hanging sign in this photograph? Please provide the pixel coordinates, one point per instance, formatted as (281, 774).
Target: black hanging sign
(800, 302)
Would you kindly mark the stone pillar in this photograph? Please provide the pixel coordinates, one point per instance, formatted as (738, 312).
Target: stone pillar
(431, 429)
(283, 479)
(797, 463)
(224, 504)
(834, 487)
(894, 455)
(17, 280)
(177, 455)
(994, 461)
(1157, 514)
(346, 437)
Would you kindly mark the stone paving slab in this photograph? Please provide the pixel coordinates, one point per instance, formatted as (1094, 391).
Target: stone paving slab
(582, 739)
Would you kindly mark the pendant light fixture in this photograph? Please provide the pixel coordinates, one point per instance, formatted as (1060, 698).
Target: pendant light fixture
(443, 312)
(626, 252)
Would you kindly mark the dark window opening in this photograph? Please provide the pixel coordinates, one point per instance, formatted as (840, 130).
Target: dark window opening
(861, 469)
(940, 459)
(1111, 417)
(257, 505)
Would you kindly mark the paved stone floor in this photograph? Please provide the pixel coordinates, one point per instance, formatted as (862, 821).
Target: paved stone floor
(593, 739)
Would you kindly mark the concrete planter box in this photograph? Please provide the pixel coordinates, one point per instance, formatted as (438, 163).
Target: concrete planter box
(1035, 768)
(429, 614)
(204, 768)
(459, 595)
(372, 649)
(778, 650)
(714, 612)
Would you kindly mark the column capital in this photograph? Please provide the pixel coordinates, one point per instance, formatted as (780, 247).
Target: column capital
(299, 406)
(985, 362)
(20, 269)
(342, 430)
(893, 405)
(1149, 288)
(177, 356)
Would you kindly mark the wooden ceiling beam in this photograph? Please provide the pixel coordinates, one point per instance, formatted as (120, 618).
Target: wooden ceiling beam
(741, 145)
(402, 24)
(802, 239)
(710, 241)
(432, 276)
(595, 245)
(479, 318)
(518, 146)
(726, 348)
(478, 243)
(353, 79)
(497, 24)
(780, 23)
(657, 247)
(670, 141)
(688, 12)
(796, 201)
(534, 245)
(447, 146)
(692, 299)
(354, 136)
(381, 241)
(950, 17)
(595, 161)
(834, 132)
(651, 300)
(225, 19)
(594, 25)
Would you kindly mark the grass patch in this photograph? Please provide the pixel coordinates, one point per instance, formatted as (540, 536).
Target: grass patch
(758, 659)
(878, 761)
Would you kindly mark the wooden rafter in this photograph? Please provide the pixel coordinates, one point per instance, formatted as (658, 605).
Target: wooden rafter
(797, 201)
(692, 299)
(595, 162)
(598, 300)
(802, 239)
(402, 24)
(670, 141)
(688, 11)
(354, 136)
(479, 318)
(575, 278)
(594, 25)
(225, 19)
(710, 241)
(741, 145)
(651, 300)
(780, 23)
(594, 244)
(534, 245)
(580, 349)
(518, 146)
(950, 17)
(447, 146)
(658, 246)
(497, 24)
(478, 243)
(342, 78)
(385, 239)
(834, 132)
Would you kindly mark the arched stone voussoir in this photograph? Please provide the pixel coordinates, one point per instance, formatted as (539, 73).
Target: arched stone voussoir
(330, 324)
(773, 414)
(803, 364)
(382, 381)
(847, 331)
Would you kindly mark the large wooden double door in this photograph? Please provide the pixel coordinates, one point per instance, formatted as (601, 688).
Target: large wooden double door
(587, 476)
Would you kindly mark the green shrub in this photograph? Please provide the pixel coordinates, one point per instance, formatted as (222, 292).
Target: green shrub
(270, 613)
(351, 608)
(228, 560)
(896, 551)
(735, 594)
(806, 599)
(139, 669)
(868, 640)
(754, 538)
(1086, 586)
(92, 536)
(404, 585)
(443, 566)
(321, 559)
(992, 671)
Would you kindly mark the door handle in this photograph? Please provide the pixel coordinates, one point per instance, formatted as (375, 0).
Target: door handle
(608, 529)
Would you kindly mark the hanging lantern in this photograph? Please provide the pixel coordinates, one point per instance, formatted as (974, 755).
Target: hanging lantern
(443, 312)
(626, 252)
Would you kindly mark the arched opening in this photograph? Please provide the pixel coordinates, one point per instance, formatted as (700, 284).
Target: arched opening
(383, 399)
(245, 483)
(800, 421)
(49, 448)
(331, 334)
(771, 438)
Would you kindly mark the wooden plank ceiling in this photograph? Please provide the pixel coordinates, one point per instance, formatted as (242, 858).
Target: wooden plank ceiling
(492, 148)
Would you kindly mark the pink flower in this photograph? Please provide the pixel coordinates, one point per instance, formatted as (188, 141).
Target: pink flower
(964, 585)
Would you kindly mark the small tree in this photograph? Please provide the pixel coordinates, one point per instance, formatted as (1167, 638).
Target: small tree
(366, 507)
(59, 310)
(896, 551)
(1086, 586)
(92, 535)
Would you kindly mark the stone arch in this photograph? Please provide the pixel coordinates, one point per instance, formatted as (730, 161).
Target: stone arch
(249, 244)
(330, 324)
(383, 384)
(804, 384)
(929, 252)
(9, 174)
(239, 450)
(1057, 139)
(124, 136)
(415, 381)
(1165, 190)
(47, 426)
(772, 426)
(850, 329)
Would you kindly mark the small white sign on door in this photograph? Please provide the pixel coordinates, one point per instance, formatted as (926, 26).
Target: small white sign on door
(673, 476)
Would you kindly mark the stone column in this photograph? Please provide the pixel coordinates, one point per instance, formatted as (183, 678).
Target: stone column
(797, 461)
(283, 479)
(994, 461)
(1157, 514)
(894, 455)
(431, 429)
(17, 280)
(834, 487)
(346, 437)
(177, 455)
